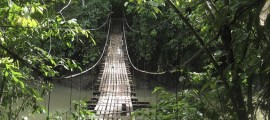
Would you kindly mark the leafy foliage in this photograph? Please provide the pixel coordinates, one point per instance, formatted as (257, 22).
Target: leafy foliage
(37, 44)
(158, 42)
(235, 60)
(92, 15)
(17, 86)
(168, 108)
(79, 113)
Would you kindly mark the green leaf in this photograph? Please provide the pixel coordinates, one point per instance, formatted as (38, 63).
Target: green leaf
(39, 9)
(206, 85)
(6, 73)
(139, 2)
(18, 74)
(177, 3)
(157, 89)
(32, 9)
(92, 39)
(156, 10)
(68, 44)
(21, 84)
(15, 78)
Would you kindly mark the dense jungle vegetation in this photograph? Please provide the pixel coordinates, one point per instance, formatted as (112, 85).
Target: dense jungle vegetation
(219, 49)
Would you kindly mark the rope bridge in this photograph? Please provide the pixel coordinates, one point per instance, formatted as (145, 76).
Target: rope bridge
(114, 96)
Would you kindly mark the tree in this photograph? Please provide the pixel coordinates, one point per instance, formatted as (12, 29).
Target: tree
(235, 46)
(36, 44)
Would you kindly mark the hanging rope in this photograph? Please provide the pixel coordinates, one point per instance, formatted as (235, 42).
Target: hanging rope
(108, 18)
(80, 88)
(136, 31)
(104, 49)
(129, 25)
(173, 70)
(49, 102)
(143, 71)
(70, 96)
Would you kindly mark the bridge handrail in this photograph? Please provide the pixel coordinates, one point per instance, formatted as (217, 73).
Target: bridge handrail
(125, 20)
(169, 71)
(103, 52)
(143, 71)
(109, 16)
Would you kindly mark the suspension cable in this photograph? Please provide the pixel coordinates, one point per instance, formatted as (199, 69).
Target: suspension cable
(136, 31)
(49, 102)
(108, 18)
(173, 70)
(143, 71)
(104, 49)
(70, 95)
(129, 25)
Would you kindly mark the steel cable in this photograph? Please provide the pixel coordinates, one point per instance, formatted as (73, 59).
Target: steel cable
(103, 52)
(102, 24)
(129, 25)
(169, 71)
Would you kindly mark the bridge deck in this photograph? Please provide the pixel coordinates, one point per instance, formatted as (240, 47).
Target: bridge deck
(115, 92)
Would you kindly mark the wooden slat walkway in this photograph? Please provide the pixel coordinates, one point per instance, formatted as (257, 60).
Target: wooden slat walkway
(114, 101)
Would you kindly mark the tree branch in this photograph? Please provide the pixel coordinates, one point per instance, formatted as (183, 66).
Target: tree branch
(194, 32)
(15, 56)
(64, 8)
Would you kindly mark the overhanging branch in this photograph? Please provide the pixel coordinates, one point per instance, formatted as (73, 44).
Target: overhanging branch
(200, 40)
(15, 56)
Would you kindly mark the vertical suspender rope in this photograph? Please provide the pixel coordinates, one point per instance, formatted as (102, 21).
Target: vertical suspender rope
(133, 76)
(176, 95)
(156, 105)
(49, 99)
(92, 91)
(86, 90)
(80, 88)
(49, 102)
(144, 75)
(70, 96)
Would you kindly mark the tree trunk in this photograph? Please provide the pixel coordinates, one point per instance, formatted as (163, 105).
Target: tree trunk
(241, 108)
(236, 94)
(2, 89)
(249, 97)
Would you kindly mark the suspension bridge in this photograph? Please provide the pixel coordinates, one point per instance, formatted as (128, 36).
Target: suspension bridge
(114, 88)
(114, 94)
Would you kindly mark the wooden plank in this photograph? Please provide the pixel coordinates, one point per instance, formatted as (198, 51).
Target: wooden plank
(115, 89)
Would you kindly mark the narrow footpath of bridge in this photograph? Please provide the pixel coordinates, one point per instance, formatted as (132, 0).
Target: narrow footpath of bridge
(114, 88)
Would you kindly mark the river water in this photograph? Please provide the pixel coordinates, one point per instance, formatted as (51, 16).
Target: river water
(62, 96)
